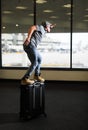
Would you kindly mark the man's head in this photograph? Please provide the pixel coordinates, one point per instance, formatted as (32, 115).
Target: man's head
(47, 25)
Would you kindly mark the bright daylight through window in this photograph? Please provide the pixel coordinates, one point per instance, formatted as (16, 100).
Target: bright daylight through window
(55, 47)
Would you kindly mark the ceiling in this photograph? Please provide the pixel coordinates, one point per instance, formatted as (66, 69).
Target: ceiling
(17, 15)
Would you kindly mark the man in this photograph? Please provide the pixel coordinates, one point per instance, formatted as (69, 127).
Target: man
(35, 34)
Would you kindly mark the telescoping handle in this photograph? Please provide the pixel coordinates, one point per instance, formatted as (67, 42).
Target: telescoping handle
(37, 84)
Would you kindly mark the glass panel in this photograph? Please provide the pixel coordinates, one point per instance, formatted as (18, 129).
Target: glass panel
(55, 47)
(16, 20)
(80, 34)
(17, 17)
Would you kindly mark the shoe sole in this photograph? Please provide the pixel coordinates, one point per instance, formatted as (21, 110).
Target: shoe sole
(26, 83)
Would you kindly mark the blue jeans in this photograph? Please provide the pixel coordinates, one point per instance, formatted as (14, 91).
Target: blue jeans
(35, 59)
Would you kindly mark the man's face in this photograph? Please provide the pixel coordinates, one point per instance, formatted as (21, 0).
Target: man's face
(48, 29)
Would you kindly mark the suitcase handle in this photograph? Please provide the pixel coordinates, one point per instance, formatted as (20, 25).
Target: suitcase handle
(37, 83)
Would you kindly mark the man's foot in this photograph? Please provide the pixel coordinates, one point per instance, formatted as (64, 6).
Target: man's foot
(39, 78)
(26, 81)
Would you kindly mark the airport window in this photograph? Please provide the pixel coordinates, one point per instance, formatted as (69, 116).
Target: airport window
(80, 34)
(56, 46)
(66, 46)
(16, 21)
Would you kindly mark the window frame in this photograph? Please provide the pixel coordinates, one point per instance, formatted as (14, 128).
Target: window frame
(47, 68)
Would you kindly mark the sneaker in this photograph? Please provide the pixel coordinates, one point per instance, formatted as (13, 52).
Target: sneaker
(26, 81)
(39, 78)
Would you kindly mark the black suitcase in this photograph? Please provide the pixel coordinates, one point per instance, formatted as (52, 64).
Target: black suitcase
(32, 100)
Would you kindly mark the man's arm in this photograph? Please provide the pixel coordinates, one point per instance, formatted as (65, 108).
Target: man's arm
(30, 32)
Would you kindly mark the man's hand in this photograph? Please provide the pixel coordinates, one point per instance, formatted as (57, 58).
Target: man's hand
(53, 25)
(26, 42)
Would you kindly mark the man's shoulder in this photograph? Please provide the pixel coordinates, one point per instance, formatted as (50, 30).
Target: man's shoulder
(40, 27)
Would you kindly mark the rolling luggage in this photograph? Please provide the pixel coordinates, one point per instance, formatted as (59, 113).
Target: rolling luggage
(32, 100)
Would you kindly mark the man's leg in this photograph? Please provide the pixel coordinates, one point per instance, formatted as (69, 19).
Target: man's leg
(32, 55)
(37, 69)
